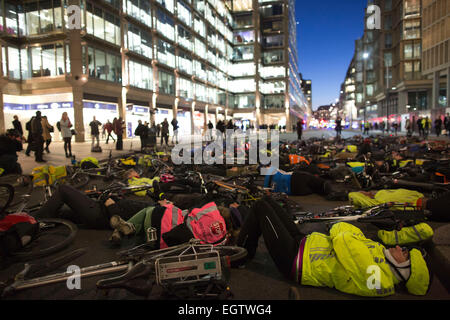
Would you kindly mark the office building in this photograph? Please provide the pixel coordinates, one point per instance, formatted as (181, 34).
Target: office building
(148, 60)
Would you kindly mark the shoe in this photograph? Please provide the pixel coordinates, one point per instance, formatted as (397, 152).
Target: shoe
(41, 161)
(122, 226)
(67, 155)
(27, 154)
(48, 151)
(115, 237)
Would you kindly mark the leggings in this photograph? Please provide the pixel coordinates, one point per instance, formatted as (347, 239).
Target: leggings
(281, 235)
(68, 145)
(84, 211)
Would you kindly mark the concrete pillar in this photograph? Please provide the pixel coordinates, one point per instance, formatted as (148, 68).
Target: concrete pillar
(192, 117)
(2, 115)
(175, 108)
(77, 92)
(216, 117)
(435, 92)
(76, 78)
(151, 105)
(448, 87)
(122, 101)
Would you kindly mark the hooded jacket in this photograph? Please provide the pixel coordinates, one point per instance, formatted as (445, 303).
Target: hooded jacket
(348, 261)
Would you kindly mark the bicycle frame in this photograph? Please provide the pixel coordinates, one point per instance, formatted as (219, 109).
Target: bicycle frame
(161, 258)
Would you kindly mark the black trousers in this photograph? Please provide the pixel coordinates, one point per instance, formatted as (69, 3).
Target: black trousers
(165, 137)
(305, 183)
(84, 210)
(38, 147)
(281, 235)
(109, 135)
(119, 143)
(68, 145)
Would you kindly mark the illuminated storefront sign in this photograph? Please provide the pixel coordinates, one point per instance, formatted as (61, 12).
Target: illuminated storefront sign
(38, 106)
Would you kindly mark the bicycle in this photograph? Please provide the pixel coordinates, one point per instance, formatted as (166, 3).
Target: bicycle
(387, 216)
(79, 177)
(192, 265)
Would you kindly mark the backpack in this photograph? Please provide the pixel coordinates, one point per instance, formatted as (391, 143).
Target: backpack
(16, 231)
(207, 224)
(28, 125)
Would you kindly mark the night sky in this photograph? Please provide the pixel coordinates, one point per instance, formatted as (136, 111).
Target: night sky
(326, 38)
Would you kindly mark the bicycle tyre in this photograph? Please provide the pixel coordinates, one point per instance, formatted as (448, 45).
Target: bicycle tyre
(10, 190)
(231, 253)
(73, 229)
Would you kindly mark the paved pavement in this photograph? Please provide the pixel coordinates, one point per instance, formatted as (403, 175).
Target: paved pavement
(81, 150)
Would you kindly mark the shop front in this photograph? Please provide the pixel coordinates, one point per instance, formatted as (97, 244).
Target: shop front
(133, 115)
(184, 123)
(25, 108)
(102, 112)
(25, 112)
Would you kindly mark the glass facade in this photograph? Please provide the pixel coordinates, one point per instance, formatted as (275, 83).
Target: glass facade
(139, 41)
(102, 24)
(139, 75)
(211, 62)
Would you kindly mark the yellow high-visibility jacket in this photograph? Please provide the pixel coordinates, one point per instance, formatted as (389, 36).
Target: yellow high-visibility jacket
(385, 196)
(142, 182)
(347, 261)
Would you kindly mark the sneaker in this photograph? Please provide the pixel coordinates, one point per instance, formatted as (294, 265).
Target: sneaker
(122, 226)
(115, 237)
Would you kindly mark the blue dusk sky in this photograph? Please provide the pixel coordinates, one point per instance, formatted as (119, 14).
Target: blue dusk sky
(326, 36)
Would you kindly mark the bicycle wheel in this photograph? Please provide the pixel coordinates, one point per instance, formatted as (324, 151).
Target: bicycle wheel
(6, 196)
(231, 253)
(78, 181)
(54, 235)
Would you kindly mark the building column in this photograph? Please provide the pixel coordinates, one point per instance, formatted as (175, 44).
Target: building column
(175, 108)
(192, 117)
(206, 117)
(151, 105)
(448, 87)
(123, 109)
(435, 92)
(216, 117)
(2, 114)
(77, 78)
(77, 92)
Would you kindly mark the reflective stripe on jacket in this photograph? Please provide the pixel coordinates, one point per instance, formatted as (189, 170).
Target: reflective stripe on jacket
(407, 235)
(172, 217)
(348, 261)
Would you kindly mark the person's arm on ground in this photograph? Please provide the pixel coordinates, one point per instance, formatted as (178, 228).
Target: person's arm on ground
(352, 252)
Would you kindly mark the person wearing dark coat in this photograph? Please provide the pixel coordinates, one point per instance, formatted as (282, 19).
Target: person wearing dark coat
(10, 144)
(37, 144)
(17, 126)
